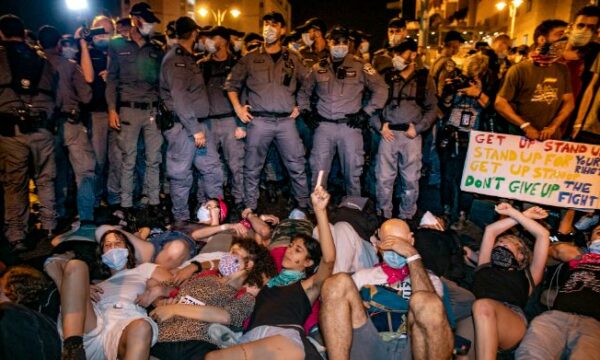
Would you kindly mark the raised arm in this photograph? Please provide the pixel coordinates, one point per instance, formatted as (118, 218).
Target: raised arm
(312, 286)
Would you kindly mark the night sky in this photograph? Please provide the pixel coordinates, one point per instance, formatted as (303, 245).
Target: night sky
(367, 15)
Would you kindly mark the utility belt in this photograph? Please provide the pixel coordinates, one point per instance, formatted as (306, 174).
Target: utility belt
(343, 120)
(138, 105)
(218, 116)
(73, 117)
(27, 121)
(270, 114)
(398, 127)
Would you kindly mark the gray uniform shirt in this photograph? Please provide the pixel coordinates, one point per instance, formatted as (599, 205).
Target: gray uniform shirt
(72, 87)
(132, 71)
(263, 80)
(216, 73)
(340, 97)
(10, 101)
(182, 88)
(402, 107)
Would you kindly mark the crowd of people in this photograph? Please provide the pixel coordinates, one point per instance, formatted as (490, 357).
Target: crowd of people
(152, 163)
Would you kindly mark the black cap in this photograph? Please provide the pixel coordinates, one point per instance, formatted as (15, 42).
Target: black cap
(124, 22)
(274, 16)
(170, 31)
(144, 11)
(218, 31)
(452, 36)
(184, 25)
(359, 35)
(397, 23)
(407, 44)
(252, 36)
(338, 32)
(313, 23)
(235, 32)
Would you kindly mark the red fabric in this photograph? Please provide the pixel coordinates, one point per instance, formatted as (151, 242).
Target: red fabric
(313, 319)
(585, 259)
(394, 275)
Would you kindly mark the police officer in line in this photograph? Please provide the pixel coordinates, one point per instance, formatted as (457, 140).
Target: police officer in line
(132, 98)
(340, 82)
(251, 41)
(313, 35)
(270, 76)
(72, 142)
(396, 33)
(26, 106)
(190, 142)
(410, 110)
(228, 131)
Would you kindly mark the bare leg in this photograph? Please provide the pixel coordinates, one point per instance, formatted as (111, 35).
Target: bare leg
(341, 311)
(431, 337)
(135, 341)
(78, 315)
(496, 326)
(270, 348)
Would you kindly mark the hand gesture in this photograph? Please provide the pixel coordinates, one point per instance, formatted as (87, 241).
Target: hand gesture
(535, 213)
(163, 313)
(547, 133)
(320, 198)
(184, 273)
(399, 245)
(240, 230)
(96, 293)
(505, 209)
(113, 120)
(149, 295)
(246, 213)
(411, 132)
(295, 112)
(239, 133)
(103, 74)
(386, 133)
(531, 133)
(472, 91)
(200, 139)
(243, 112)
(270, 219)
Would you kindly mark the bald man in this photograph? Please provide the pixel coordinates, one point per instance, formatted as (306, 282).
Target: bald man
(349, 332)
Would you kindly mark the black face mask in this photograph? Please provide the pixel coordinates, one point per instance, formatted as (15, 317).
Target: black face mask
(504, 258)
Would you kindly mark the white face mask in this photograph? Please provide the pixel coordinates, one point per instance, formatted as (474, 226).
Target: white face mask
(210, 45)
(594, 247)
(69, 52)
(203, 214)
(338, 51)
(199, 46)
(270, 34)
(147, 28)
(307, 40)
(580, 38)
(395, 39)
(115, 259)
(399, 62)
(237, 45)
(364, 47)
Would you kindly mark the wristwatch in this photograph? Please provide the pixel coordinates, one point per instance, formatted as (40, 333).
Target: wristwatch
(198, 266)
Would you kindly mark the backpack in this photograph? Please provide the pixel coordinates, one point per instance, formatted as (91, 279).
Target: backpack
(387, 308)
(26, 68)
(420, 77)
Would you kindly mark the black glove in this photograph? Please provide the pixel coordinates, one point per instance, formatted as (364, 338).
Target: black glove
(310, 119)
(358, 120)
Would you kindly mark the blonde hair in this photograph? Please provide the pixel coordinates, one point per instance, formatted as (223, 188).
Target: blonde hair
(475, 65)
(521, 246)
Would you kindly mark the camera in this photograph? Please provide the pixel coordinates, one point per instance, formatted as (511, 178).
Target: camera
(455, 83)
(88, 34)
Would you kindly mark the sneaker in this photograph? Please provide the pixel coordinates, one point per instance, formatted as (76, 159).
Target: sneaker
(223, 336)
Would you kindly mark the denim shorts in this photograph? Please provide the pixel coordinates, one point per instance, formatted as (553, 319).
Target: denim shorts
(368, 344)
(517, 310)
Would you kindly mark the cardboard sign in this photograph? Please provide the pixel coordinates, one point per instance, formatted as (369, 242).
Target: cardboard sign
(554, 172)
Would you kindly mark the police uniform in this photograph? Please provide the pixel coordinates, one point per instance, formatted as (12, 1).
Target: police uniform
(73, 137)
(382, 61)
(29, 143)
(184, 92)
(340, 93)
(310, 57)
(132, 90)
(270, 87)
(403, 154)
(223, 122)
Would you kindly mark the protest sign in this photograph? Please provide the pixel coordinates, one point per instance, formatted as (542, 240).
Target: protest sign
(553, 172)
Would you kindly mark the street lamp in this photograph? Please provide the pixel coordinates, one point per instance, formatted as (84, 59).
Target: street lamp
(513, 5)
(219, 15)
(76, 5)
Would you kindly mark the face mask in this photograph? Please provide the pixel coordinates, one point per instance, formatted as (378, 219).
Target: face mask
(115, 259)
(270, 34)
(101, 43)
(230, 264)
(210, 46)
(171, 42)
(297, 215)
(286, 277)
(203, 214)
(199, 46)
(339, 51)
(547, 53)
(69, 53)
(399, 62)
(594, 247)
(147, 28)
(395, 39)
(307, 40)
(504, 258)
(580, 38)
(364, 47)
(237, 45)
(394, 260)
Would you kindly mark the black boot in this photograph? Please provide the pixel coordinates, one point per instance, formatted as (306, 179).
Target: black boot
(73, 349)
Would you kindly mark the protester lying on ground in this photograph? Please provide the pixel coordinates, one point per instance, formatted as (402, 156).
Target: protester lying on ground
(505, 278)
(106, 320)
(351, 332)
(275, 330)
(571, 328)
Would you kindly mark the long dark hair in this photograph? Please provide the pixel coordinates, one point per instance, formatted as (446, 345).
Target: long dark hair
(121, 236)
(313, 247)
(264, 265)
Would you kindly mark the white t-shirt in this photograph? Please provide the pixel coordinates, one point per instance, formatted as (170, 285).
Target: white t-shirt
(122, 288)
(376, 276)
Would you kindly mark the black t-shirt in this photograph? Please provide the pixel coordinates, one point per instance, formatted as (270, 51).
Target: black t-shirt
(511, 286)
(99, 63)
(276, 56)
(580, 289)
(281, 305)
(436, 249)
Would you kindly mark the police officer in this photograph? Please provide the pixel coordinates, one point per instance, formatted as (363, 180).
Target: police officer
(227, 131)
(340, 82)
(133, 71)
(396, 33)
(26, 105)
(409, 111)
(251, 41)
(313, 35)
(189, 140)
(270, 76)
(72, 134)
